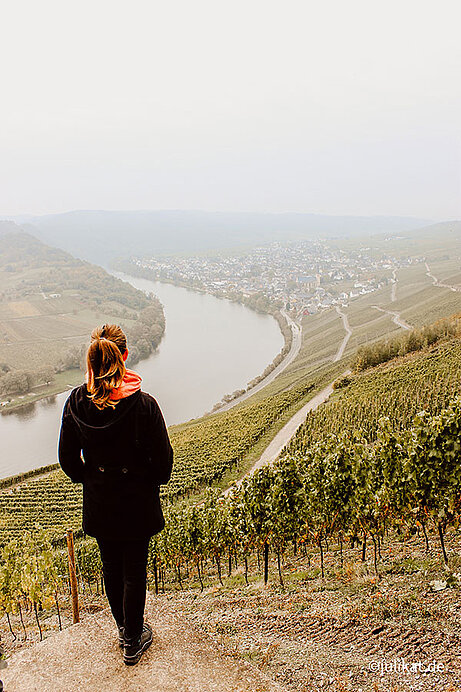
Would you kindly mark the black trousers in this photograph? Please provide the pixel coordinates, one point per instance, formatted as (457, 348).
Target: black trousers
(124, 566)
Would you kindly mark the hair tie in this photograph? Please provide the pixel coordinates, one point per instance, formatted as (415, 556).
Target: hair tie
(102, 336)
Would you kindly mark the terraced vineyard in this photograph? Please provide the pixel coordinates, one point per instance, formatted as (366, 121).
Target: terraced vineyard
(382, 456)
(204, 450)
(52, 501)
(398, 389)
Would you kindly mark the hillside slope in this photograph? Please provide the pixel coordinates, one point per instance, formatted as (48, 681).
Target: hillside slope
(366, 592)
(427, 379)
(49, 304)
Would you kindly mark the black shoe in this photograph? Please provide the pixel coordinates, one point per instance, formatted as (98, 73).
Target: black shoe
(121, 636)
(133, 651)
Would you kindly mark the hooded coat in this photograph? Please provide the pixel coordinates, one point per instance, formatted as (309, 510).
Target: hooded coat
(121, 456)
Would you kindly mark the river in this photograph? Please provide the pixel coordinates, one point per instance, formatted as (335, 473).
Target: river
(211, 347)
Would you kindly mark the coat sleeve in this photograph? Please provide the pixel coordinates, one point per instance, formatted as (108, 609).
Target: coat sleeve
(69, 447)
(160, 449)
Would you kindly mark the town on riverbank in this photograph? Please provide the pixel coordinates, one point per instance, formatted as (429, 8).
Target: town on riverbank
(306, 277)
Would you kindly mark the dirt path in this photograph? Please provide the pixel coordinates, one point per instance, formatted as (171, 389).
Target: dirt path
(343, 345)
(394, 286)
(399, 321)
(284, 435)
(296, 330)
(86, 657)
(436, 282)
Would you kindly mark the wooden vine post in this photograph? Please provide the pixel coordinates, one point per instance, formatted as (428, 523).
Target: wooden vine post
(72, 575)
(266, 561)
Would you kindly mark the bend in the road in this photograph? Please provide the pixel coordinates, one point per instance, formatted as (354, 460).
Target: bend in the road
(436, 282)
(343, 344)
(399, 321)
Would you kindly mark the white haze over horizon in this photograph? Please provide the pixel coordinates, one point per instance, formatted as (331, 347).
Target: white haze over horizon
(320, 107)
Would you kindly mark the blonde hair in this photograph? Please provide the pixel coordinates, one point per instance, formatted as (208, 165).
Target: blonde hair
(105, 364)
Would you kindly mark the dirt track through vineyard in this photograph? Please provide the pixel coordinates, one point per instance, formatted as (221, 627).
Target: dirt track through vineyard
(399, 321)
(343, 344)
(284, 435)
(436, 282)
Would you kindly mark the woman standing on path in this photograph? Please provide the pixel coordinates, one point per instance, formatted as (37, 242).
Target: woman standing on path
(114, 441)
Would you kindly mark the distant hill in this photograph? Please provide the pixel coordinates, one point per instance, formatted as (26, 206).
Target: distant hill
(99, 236)
(8, 227)
(436, 240)
(433, 239)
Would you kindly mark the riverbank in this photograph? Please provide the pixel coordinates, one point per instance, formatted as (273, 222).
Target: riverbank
(62, 381)
(72, 378)
(286, 356)
(210, 347)
(257, 302)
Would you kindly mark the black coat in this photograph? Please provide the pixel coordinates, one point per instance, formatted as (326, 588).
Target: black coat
(121, 456)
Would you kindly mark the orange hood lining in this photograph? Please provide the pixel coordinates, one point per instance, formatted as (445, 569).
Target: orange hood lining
(130, 384)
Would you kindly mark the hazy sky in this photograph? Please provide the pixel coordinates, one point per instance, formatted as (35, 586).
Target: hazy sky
(326, 106)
